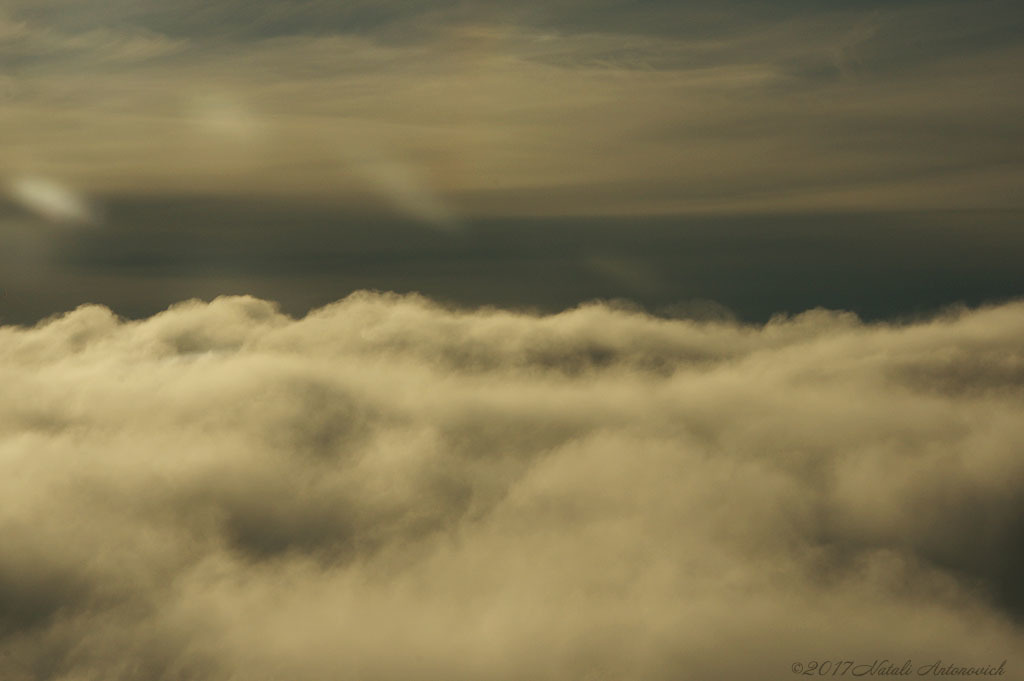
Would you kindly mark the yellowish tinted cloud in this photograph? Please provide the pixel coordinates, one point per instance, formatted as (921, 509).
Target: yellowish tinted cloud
(390, 489)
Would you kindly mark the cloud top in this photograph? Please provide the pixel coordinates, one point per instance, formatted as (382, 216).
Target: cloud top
(390, 489)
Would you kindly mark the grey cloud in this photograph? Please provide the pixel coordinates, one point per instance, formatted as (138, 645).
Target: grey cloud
(228, 20)
(837, 38)
(389, 488)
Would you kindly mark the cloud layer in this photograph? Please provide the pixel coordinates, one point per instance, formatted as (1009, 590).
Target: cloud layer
(388, 489)
(449, 110)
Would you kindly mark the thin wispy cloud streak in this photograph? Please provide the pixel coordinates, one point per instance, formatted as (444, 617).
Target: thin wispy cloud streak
(390, 489)
(51, 200)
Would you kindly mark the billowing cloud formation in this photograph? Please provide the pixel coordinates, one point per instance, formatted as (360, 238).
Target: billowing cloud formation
(386, 489)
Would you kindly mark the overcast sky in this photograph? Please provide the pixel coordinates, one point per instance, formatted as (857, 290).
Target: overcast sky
(855, 155)
(455, 109)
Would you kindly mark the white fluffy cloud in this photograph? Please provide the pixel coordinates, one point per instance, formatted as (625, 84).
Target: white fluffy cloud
(387, 489)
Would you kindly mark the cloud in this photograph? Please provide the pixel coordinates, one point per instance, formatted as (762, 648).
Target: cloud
(391, 489)
(51, 200)
(399, 184)
(24, 41)
(583, 108)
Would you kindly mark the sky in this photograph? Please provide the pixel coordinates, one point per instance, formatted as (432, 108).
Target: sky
(136, 132)
(449, 111)
(575, 340)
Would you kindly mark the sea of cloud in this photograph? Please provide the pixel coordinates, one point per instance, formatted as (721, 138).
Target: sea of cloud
(391, 489)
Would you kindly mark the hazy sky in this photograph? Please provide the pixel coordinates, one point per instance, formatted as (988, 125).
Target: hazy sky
(155, 151)
(452, 110)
